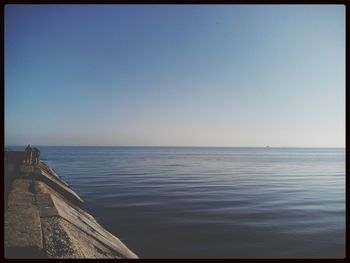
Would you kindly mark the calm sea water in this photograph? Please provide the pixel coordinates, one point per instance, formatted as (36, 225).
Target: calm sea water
(212, 202)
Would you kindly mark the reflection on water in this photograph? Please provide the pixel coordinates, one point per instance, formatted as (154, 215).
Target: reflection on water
(213, 202)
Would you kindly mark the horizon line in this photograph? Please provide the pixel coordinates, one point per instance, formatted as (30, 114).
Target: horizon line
(169, 146)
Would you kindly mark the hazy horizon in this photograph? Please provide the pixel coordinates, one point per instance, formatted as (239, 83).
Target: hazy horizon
(175, 75)
(168, 146)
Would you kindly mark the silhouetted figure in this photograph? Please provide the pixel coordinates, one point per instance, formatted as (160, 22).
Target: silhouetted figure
(28, 151)
(36, 155)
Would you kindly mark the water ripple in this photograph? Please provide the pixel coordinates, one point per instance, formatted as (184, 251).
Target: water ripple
(213, 202)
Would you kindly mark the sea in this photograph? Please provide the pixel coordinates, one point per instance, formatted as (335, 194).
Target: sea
(211, 202)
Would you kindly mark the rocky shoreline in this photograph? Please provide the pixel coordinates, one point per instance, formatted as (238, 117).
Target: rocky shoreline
(43, 218)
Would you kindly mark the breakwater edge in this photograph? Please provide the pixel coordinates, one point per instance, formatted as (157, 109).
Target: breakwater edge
(43, 217)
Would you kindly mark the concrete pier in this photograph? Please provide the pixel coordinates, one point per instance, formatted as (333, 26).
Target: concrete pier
(43, 218)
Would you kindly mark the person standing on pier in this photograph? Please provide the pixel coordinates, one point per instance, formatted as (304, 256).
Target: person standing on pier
(28, 151)
(36, 155)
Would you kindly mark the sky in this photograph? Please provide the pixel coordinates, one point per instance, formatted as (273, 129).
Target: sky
(175, 75)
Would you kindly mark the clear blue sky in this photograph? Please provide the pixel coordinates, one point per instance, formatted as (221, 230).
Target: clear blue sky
(175, 75)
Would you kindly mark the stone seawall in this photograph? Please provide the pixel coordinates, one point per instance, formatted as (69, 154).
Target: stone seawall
(43, 218)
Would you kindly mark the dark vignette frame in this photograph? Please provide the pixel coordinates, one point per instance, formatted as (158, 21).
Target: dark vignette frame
(168, 2)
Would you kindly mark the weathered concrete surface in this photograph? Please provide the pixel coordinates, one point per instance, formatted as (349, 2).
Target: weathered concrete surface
(42, 173)
(23, 232)
(43, 220)
(13, 161)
